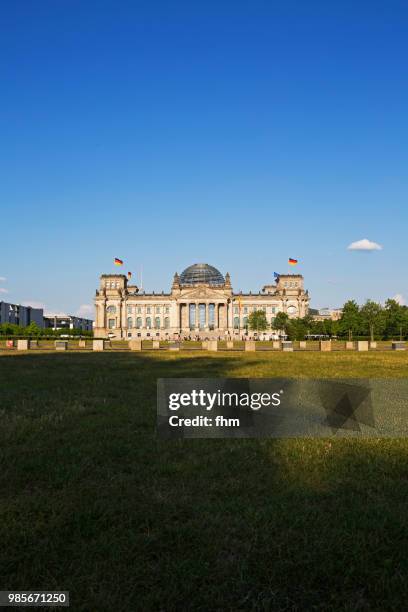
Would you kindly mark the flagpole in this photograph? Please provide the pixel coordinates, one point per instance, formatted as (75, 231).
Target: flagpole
(141, 277)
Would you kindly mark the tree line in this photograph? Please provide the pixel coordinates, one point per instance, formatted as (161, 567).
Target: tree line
(370, 320)
(34, 331)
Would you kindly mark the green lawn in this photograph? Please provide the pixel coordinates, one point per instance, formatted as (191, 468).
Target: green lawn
(92, 502)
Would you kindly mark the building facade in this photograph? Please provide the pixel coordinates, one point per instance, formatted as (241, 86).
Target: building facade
(20, 315)
(65, 321)
(325, 314)
(201, 304)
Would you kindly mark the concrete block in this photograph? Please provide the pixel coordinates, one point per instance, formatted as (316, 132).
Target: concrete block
(98, 345)
(398, 345)
(276, 344)
(204, 345)
(287, 346)
(325, 345)
(230, 344)
(82, 344)
(61, 345)
(350, 345)
(302, 344)
(212, 345)
(22, 345)
(250, 345)
(156, 344)
(362, 345)
(135, 345)
(373, 345)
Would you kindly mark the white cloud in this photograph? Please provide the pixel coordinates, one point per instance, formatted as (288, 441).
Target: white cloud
(33, 304)
(399, 298)
(3, 279)
(85, 310)
(364, 245)
(2, 290)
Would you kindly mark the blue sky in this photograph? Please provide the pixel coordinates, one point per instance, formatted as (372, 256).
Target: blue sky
(234, 133)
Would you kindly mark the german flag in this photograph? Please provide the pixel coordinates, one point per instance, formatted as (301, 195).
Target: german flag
(292, 262)
(118, 262)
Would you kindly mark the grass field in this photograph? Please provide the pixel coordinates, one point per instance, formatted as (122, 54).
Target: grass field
(92, 502)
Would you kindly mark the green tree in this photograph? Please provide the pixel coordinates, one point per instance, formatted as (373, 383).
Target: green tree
(257, 321)
(395, 319)
(350, 322)
(281, 322)
(32, 330)
(372, 319)
(297, 329)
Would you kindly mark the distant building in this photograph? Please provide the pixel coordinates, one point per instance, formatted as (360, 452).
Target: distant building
(20, 315)
(325, 314)
(201, 302)
(65, 321)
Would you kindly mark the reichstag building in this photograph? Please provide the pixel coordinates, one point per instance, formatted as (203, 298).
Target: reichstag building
(201, 304)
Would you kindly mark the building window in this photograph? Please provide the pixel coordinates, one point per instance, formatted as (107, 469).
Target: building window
(130, 322)
(111, 323)
(148, 310)
(148, 322)
(157, 309)
(139, 322)
(236, 309)
(157, 322)
(273, 309)
(129, 310)
(166, 322)
(167, 310)
(111, 309)
(236, 322)
(245, 322)
(245, 309)
(139, 310)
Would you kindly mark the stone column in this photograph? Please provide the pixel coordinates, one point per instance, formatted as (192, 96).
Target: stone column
(124, 317)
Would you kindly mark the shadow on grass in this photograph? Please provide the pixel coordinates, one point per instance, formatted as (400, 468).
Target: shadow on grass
(93, 503)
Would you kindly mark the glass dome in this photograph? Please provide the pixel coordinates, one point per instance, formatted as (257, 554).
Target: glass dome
(201, 273)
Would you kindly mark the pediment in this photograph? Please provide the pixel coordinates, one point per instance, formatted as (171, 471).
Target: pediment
(203, 293)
